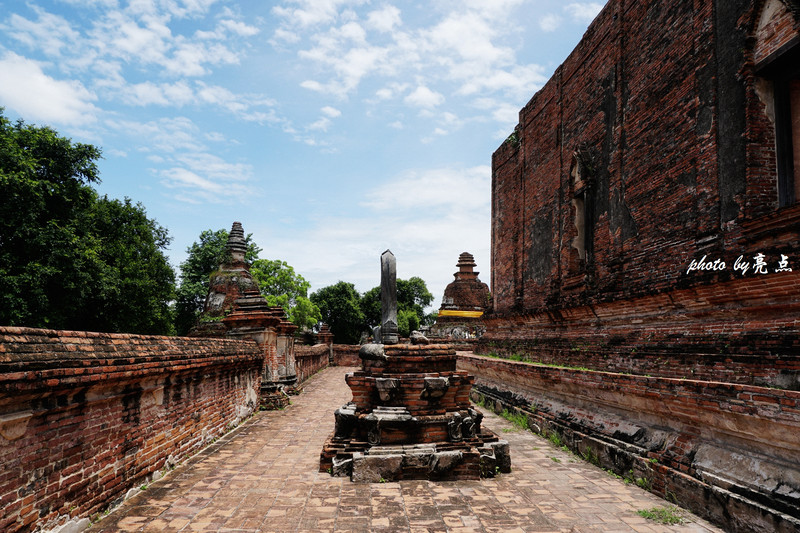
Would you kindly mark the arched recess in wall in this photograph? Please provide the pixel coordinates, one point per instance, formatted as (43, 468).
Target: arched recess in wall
(776, 56)
(583, 169)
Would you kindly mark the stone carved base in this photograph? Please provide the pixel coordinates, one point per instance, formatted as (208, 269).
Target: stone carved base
(410, 418)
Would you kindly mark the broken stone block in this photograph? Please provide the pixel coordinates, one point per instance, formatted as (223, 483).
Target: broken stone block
(376, 468)
(342, 467)
(488, 462)
(435, 388)
(387, 388)
(418, 338)
(446, 461)
(502, 455)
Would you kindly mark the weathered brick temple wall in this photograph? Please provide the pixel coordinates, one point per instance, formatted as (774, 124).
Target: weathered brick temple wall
(646, 240)
(85, 417)
(310, 359)
(346, 355)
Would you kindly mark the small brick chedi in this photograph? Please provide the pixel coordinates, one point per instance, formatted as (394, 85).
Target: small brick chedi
(235, 308)
(465, 300)
(410, 416)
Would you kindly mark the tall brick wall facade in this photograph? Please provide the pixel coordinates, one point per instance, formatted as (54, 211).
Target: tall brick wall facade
(643, 223)
(85, 417)
(657, 111)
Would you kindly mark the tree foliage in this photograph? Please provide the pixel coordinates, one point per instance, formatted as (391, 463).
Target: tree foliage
(412, 298)
(340, 308)
(70, 259)
(203, 258)
(281, 285)
(371, 307)
(407, 321)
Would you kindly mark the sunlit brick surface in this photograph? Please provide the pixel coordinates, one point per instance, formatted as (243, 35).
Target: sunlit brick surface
(263, 477)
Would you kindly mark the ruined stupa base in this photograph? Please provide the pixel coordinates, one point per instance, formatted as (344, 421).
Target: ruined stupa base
(410, 418)
(480, 457)
(273, 400)
(275, 394)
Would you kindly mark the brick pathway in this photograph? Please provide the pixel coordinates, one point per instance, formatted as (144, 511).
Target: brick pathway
(263, 477)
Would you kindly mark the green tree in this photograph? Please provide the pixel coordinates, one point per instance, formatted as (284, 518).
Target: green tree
(203, 258)
(138, 283)
(371, 307)
(412, 296)
(407, 321)
(340, 309)
(68, 258)
(281, 285)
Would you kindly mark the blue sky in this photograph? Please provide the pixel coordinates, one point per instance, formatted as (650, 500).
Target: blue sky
(332, 129)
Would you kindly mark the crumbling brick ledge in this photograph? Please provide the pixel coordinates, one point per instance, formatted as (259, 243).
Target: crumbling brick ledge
(728, 452)
(86, 417)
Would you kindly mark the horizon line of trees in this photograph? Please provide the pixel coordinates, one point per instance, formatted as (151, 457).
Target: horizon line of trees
(73, 259)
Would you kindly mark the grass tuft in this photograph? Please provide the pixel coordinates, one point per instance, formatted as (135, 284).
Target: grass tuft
(668, 516)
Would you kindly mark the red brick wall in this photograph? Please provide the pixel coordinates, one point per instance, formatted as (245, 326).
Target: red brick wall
(663, 101)
(661, 112)
(663, 97)
(727, 452)
(84, 417)
(310, 359)
(346, 354)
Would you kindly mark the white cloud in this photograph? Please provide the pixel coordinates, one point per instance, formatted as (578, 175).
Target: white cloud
(407, 215)
(37, 96)
(207, 178)
(424, 97)
(49, 34)
(321, 124)
(331, 112)
(550, 22)
(239, 28)
(440, 53)
(434, 188)
(385, 19)
(168, 135)
(583, 13)
(308, 13)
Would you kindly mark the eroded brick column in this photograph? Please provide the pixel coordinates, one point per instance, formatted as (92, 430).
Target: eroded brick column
(253, 318)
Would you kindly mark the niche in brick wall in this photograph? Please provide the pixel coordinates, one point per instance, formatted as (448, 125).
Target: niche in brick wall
(777, 57)
(581, 188)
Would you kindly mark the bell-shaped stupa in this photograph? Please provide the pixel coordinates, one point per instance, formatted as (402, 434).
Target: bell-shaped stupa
(465, 301)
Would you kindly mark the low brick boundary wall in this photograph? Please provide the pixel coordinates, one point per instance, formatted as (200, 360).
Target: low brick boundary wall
(309, 360)
(85, 417)
(728, 452)
(346, 355)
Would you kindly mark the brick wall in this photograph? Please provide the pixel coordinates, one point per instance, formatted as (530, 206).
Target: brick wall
(85, 417)
(660, 102)
(650, 148)
(310, 359)
(346, 354)
(726, 451)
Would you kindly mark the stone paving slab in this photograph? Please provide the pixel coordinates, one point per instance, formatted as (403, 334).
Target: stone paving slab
(263, 477)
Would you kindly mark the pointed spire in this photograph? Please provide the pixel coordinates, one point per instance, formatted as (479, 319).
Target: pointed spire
(466, 262)
(237, 245)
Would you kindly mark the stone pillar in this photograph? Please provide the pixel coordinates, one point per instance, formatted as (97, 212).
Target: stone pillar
(389, 333)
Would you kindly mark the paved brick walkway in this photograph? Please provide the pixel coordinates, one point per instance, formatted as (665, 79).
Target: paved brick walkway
(263, 477)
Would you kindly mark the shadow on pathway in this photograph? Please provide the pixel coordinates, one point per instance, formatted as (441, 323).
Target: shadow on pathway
(263, 477)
